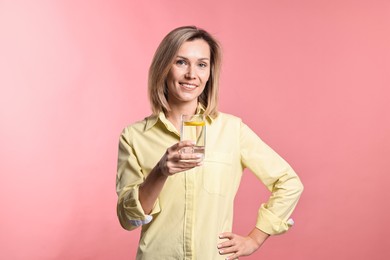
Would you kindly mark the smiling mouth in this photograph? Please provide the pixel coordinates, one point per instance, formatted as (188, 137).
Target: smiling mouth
(188, 86)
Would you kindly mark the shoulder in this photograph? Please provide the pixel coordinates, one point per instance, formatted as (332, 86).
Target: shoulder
(137, 127)
(227, 118)
(230, 121)
(226, 124)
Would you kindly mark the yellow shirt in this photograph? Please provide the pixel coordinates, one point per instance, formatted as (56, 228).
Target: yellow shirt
(195, 206)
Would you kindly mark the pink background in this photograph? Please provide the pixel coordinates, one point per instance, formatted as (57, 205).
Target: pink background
(310, 77)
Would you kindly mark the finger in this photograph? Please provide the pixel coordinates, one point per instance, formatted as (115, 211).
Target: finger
(188, 164)
(186, 157)
(180, 166)
(228, 250)
(177, 146)
(233, 257)
(227, 235)
(190, 156)
(183, 144)
(184, 166)
(228, 247)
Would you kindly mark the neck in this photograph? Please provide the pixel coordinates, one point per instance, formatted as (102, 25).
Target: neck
(174, 116)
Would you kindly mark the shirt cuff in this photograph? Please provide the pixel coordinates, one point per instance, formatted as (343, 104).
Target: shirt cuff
(140, 222)
(134, 211)
(270, 223)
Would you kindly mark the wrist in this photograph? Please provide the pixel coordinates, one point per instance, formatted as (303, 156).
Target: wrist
(258, 236)
(160, 171)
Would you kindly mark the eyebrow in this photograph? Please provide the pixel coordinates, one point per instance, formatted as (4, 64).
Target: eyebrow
(178, 56)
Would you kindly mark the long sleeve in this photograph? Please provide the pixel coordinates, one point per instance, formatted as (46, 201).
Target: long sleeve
(277, 175)
(129, 178)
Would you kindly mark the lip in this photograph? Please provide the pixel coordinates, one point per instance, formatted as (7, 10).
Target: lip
(188, 86)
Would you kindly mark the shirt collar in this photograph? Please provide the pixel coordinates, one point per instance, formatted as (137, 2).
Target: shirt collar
(153, 119)
(200, 110)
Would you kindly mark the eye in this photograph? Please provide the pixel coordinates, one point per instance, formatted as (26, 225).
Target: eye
(203, 65)
(181, 62)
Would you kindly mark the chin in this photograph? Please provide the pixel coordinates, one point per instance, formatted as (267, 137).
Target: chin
(189, 97)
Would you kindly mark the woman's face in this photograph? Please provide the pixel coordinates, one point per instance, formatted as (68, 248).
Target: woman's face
(189, 73)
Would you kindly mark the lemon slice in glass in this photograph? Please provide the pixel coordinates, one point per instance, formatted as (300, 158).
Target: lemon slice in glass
(194, 123)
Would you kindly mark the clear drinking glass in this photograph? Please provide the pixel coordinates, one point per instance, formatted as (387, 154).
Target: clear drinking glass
(193, 127)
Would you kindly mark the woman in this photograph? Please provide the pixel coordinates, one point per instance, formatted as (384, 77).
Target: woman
(183, 203)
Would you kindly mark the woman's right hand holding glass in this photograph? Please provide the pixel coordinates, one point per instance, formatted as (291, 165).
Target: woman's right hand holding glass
(174, 160)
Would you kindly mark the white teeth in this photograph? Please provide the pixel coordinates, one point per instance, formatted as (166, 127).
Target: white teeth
(188, 85)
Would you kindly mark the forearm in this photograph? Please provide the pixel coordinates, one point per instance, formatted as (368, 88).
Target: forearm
(171, 163)
(273, 216)
(151, 188)
(258, 236)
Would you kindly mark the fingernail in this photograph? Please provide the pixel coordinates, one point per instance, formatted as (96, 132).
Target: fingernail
(220, 251)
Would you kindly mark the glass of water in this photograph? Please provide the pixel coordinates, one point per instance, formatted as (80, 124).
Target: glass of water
(193, 128)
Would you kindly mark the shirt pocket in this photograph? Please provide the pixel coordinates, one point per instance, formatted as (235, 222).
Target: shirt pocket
(218, 173)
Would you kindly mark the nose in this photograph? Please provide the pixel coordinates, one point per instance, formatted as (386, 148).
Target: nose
(190, 72)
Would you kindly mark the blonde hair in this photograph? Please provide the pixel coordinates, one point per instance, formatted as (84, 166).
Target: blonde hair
(163, 60)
